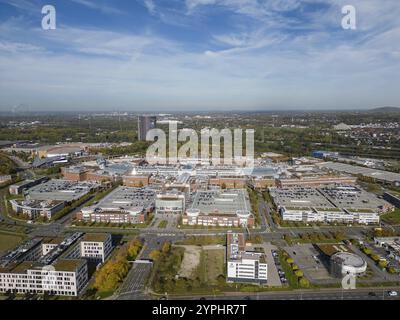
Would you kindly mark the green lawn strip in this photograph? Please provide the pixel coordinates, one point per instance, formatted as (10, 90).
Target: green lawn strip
(392, 218)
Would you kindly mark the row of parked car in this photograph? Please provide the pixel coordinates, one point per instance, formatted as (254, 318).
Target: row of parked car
(278, 266)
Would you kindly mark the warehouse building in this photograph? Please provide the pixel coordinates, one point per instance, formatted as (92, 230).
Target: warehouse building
(385, 177)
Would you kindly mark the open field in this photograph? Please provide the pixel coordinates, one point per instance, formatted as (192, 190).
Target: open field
(8, 242)
(205, 263)
(213, 264)
(392, 217)
(191, 260)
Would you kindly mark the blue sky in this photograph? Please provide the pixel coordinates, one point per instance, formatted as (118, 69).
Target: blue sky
(199, 55)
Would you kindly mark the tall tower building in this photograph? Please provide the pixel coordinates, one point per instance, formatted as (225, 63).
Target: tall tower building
(145, 123)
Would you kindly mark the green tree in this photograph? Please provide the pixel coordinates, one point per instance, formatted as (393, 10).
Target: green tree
(155, 255)
(383, 264)
(304, 283)
(166, 248)
(375, 257)
(367, 251)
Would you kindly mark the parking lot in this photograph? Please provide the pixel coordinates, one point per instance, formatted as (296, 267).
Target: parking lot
(382, 252)
(311, 262)
(271, 255)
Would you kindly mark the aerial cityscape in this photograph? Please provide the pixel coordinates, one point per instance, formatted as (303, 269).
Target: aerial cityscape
(172, 159)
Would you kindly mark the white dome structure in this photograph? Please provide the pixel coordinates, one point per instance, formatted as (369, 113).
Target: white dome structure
(343, 263)
(244, 214)
(192, 212)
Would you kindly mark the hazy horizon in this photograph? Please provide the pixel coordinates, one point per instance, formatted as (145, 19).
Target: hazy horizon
(205, 55)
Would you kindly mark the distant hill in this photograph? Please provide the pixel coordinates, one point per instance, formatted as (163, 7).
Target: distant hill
(385, 109)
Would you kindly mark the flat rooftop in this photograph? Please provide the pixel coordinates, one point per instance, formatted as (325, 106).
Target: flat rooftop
(368, 172)
(18, 267)
(353, 198)
(236, 248)
(221, 201)
(235, 244)
(61, 190)
(300, 197)
(68, 265)
(329, 198)
(37, 204)
(95, 237)
(56, 240)
(126, 198)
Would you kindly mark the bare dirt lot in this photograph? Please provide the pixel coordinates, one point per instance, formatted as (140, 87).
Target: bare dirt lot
(191, 260)
(203, 262)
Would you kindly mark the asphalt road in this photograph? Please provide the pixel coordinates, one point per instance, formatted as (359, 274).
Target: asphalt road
(134, 284)
(324, 294)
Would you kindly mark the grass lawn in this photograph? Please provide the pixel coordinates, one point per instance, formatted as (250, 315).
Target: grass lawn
(163, 224)
(392, 217)
(200, 227)
(8, 241)
(214, 264)
(203, 240)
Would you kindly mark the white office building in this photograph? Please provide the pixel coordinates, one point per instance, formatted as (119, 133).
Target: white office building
(96, 246)
(65, 278)
(244, 266)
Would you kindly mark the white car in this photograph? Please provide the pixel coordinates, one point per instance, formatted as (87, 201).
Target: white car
(392, 294)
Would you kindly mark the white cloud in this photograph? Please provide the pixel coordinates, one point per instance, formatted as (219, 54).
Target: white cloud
(253, 65)
(100, 6)
(23, 5)
(149, 4)
(18, 47)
